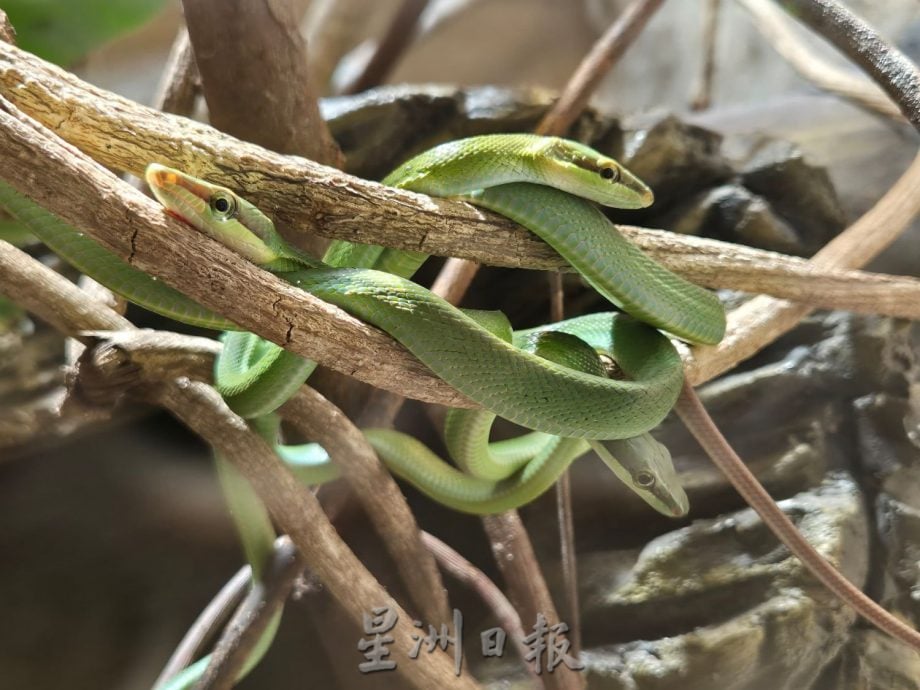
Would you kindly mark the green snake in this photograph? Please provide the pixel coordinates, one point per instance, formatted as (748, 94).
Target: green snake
(505, 173)
(531, 378)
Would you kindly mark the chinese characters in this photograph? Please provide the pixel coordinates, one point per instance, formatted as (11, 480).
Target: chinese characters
(545, 648)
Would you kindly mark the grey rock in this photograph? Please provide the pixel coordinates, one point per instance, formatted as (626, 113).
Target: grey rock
(891, 460)
(872, 661)
(733, 213)
(675, 159)
(721, 604)
(381, 128)
(798, 191)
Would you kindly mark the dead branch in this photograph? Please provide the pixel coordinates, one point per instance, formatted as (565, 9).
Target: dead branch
(775, 27)
(887, 65)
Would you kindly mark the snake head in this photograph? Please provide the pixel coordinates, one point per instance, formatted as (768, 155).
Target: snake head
(645, 466)
(582, 171)
(217, 212)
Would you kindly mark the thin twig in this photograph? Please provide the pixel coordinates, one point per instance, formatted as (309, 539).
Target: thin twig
(272, 59)
(63, 180)
(564, 516)
(265, 600)
(455, 279)
(595, 66)
(319, 420)
(390, 48)
(889, 67)
(298, 514)
(775, 27)
(455, 564)
(703, 98)
(566, 521)
(572, 101)
(509, 540)
(700, 424)
(527, 590)
(764, 319)
(137, 229)
(333, 28)
(205, 626)
(179, 87)
(760, 321)
(123, 135)
(54, 298)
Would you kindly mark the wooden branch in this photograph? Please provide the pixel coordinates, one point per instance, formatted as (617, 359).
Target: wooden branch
(390, 47)
(67, 183)
(889, 67)
(251, 619)
(467, 573)
(299, 515)
(123, 135)
(321, 421)
(703, 92)
(180, 80)
(414, 561)
(253, 65)
(333, 28)
(52, 297)
(764, 319)
(775, 27)
(214, 614)
(595, 66)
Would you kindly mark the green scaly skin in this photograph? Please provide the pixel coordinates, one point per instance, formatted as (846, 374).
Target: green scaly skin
(504, 475)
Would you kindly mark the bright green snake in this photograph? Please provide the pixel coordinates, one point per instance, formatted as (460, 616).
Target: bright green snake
(546, 379)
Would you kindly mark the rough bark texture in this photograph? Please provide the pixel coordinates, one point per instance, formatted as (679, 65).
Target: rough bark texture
(298, 514)
(121, 133)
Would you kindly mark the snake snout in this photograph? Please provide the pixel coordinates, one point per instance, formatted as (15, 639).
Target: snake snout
(678, 504)
(160, 176)
(647, 198)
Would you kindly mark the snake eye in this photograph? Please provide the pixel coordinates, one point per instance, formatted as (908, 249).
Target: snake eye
(611, 174)
(644, 480)
(223, 205)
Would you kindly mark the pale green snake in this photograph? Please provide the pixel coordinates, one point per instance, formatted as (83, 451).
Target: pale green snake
(509, 174)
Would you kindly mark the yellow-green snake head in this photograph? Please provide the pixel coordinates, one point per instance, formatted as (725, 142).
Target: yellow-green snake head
(462, 167)
(217, 212)
(580, 170)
